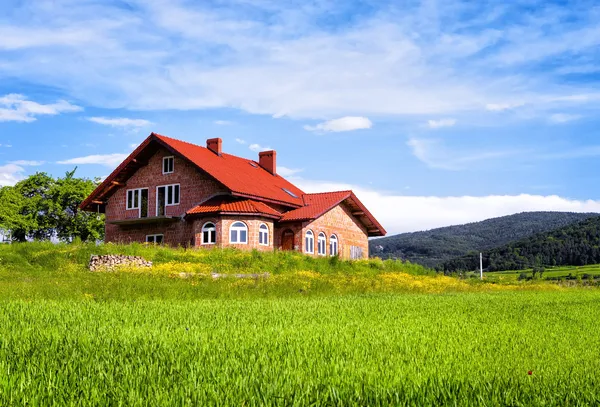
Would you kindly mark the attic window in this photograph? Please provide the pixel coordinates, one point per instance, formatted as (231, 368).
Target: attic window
(290, 193)
(168, 164)
(252, 163)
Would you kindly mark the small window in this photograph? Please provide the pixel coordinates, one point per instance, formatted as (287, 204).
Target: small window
(133, 199)
(263, 235)
(333, 245)
(321, 243)
(238, 233)
(156, 239)
(168, 165)
(309, 242)
(252, 163)
(209, 233)
(290, 193)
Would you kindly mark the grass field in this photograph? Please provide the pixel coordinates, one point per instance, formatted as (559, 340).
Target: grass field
(555, 273)
(317, 332)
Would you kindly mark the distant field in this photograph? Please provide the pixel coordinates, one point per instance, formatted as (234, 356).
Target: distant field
(316, 332)
(570, 272)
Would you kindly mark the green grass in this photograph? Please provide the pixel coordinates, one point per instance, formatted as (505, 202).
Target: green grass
(317, 332)
(459, 349)
(566, 272)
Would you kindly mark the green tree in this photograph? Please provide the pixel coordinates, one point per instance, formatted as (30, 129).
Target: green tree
(40, 207)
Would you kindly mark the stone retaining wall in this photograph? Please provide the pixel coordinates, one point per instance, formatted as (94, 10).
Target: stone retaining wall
(110, 261)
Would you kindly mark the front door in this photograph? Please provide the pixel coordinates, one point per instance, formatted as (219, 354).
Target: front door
(287, 240)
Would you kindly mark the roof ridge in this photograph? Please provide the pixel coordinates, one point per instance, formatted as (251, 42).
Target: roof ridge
(330, 192)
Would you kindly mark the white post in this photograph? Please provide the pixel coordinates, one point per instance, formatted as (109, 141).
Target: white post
(481, 266)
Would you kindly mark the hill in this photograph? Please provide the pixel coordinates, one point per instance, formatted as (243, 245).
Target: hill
(574, 245)
(436, 246)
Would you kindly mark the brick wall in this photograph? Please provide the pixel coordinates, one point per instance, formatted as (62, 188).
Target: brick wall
(253, 224)
(195, 187)
(338, 221)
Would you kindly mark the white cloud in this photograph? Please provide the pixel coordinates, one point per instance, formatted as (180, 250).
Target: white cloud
(10, 174)
(223, 122)
(258, 148)
(240, 141)
(399, 213)
(27, 163)
(436, 124)
(500, 107)
(120, 122)
(347, 123)
(111, 160)
(560, 118)
(288, 172)
(435, 154)
(16, 107)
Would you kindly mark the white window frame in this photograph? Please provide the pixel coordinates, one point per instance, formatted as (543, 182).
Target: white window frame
(139, 200)
(171, 157)
(321, 244)
(162, 240)
(333, 239)
(233, 227)
(309, 235)
(263, 231)
(207, 228)
(167, 194)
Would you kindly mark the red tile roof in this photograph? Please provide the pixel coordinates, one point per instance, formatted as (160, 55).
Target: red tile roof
(239, 175)
(316, 205)
(224, 205)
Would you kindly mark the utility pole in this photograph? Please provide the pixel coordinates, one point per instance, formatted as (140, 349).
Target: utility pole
(481, 266)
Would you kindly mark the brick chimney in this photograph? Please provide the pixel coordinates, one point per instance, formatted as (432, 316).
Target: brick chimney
(214, 145)
(268, 160)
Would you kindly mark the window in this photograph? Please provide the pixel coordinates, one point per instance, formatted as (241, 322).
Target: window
(356, 252)
(138, 199)
(157, 239)
(166, 195)
(333, 245)
(321, 243)
(168, 165)
(263, 235)
(238, 233)
(133, 199)
(209, 233)
(309, 242)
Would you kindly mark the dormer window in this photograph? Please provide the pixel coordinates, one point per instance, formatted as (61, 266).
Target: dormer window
(168, 165)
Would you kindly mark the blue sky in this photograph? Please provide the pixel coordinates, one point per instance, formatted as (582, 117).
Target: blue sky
(434, 112)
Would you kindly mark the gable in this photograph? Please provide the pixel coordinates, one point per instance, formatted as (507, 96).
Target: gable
(242, 177)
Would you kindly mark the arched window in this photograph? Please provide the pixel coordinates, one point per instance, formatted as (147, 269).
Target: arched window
(333, 245)
(321, 242)
(238, 233)
(309, 242)
(209, 233)
(263, 235)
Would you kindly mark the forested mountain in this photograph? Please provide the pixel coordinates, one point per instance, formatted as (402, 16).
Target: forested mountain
(574, 245)
(435, 246)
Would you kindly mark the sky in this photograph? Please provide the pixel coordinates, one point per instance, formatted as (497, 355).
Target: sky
(434, 112)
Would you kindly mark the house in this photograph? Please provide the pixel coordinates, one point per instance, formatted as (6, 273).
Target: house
(177, 193)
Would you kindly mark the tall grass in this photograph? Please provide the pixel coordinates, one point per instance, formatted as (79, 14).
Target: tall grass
(32, 271)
